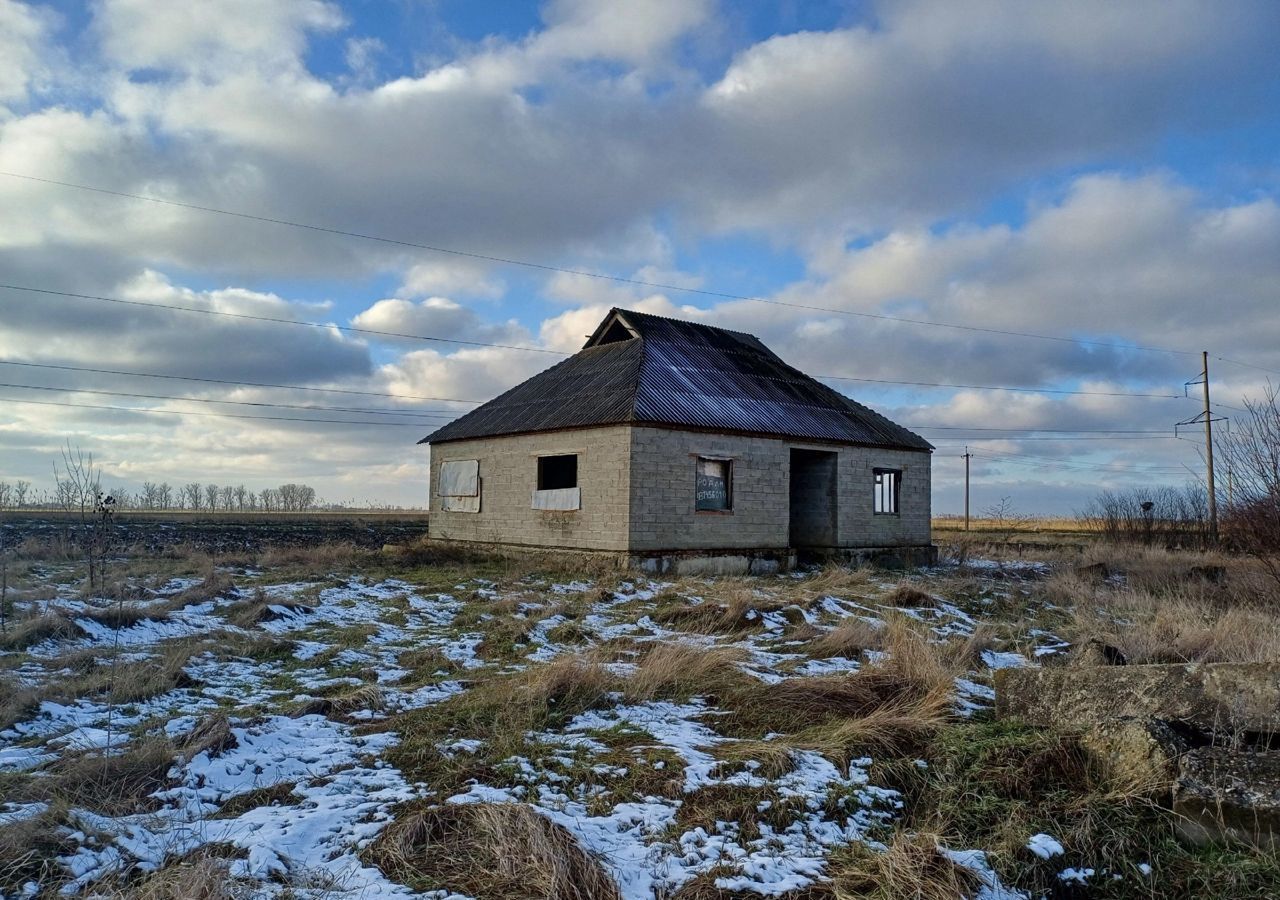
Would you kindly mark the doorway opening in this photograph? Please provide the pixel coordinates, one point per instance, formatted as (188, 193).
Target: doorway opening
(813, 498)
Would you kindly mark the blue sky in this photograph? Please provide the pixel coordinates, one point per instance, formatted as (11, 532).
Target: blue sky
(1091, 170)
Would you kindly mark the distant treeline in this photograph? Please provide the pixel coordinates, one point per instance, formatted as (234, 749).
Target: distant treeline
(68, 496)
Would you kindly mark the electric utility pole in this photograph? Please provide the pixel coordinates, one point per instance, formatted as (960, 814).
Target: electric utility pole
(1207, 417)
(966, 488)
(1208, 451)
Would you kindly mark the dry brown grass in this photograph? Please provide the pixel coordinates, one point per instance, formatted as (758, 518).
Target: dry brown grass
(113, 785)
(198, 877)
(250, 613)
(703, 887)
(908, 595)
(830, 581)
(52, 625)
(493, 850)
(29, 851)
(17, 702)
(215, 584)
(369, 696)
(911, 868)
(564, 687)
(849, 638)
(1168, 608)
(321, 558)
(212, 735)
(734, 608)
(123, 614)
(1179, 627)
(895, 703)
(677, 671)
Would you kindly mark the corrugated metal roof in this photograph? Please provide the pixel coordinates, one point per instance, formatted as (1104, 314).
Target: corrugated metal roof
(670, 372)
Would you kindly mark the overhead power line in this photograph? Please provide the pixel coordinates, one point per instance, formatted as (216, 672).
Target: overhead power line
(346, 328)
(1236, 362)
(278, 321)
(217, 415)
(620, 279)
(226, 381)
(256, 403)
(1016, 434)
(1035, 430)
(990, 387)
(1034, 459)
(1021, 438)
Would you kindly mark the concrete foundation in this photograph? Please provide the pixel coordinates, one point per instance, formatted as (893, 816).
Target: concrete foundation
(675, 563)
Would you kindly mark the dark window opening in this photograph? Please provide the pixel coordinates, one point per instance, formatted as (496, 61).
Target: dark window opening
(887, 485)
(557, 472)
(714, 485)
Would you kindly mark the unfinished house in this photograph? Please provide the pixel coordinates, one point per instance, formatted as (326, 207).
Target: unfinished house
(682, 448)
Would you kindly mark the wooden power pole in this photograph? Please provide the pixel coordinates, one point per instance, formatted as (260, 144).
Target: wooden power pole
(1208, 452)
(966, 488)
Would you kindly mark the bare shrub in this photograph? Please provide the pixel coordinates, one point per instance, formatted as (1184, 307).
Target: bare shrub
(1157, 516)
(490, 850)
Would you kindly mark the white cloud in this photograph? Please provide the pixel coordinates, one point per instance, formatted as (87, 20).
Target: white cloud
(213, 37)
(601, 29)
(457, 276)
(438, 317)
(24, 33)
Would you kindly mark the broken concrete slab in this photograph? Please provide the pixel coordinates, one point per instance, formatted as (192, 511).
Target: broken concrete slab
(1229, 796)
(1136, 756)
(1213, 697)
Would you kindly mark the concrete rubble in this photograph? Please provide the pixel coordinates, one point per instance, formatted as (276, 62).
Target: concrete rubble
(1195, 736)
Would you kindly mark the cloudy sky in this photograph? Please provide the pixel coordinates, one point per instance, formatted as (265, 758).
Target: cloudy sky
(1104, 174)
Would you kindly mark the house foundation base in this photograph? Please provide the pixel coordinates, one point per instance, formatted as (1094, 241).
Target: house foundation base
(756, 561)
(771, 561)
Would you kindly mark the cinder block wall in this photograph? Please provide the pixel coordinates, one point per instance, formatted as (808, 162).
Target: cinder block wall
(509, 475)
(859, 525)
(663, 465)
(662, 493)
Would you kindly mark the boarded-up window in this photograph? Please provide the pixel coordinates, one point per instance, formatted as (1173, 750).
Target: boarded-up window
(459, 485)
(714, 484)
(887, 484)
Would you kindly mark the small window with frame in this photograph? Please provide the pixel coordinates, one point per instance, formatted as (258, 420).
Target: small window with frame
(713, 485)
(888, 488)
